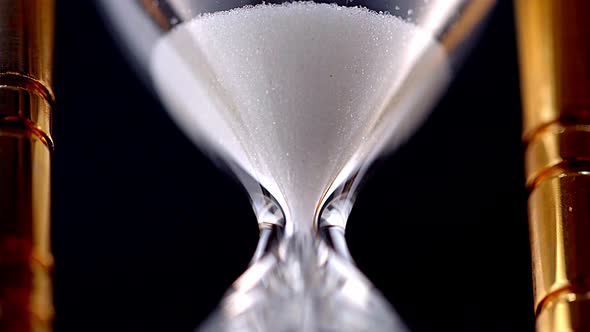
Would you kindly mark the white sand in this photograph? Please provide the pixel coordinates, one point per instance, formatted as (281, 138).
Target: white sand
(293, 93)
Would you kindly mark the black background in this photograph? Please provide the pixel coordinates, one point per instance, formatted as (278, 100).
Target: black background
(148, 234)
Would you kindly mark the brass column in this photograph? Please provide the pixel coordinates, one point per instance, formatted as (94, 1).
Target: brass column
(554, 47)
(26, 103)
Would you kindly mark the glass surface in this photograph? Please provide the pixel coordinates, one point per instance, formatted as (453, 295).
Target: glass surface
(297, 99)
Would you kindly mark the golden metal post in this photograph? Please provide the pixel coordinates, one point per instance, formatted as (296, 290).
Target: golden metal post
(554, 47)
(26, 105)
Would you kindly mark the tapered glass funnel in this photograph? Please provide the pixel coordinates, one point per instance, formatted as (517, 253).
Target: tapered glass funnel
(297, 98)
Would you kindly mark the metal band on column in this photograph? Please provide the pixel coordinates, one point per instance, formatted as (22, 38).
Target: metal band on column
(555, 79)
(26, 105)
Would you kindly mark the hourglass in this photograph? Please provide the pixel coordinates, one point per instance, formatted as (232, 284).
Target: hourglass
(298, 98)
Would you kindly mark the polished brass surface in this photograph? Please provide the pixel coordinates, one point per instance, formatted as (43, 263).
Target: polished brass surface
(26, 103)
(567, 312)
(554, 51)
(26, 40)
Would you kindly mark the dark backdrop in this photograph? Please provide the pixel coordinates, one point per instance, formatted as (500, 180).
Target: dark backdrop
(148, 234)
